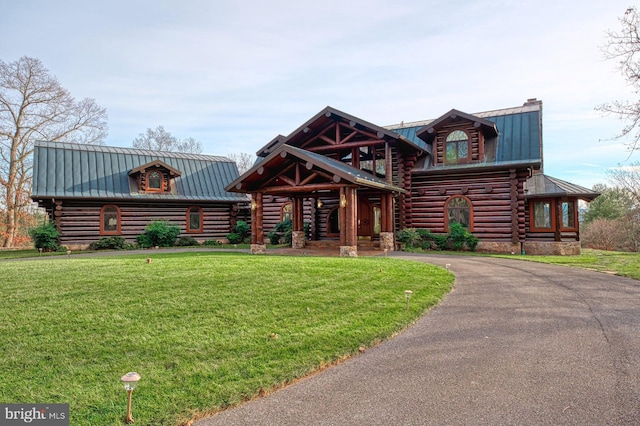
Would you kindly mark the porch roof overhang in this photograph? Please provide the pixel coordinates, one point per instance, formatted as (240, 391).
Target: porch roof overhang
(543, 186)
(336, 173)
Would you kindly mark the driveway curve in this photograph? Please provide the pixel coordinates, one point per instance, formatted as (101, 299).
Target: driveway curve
(515, 343)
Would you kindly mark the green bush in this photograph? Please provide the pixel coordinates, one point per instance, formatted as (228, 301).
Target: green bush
(241, 233)
(187, 241)
(110, 243)
(274, 237)
(158, 233)
(234, 238)
(45, 237)
(441, 241)
(214, 243)
(243, 230)
(458, 238)
(409, 237)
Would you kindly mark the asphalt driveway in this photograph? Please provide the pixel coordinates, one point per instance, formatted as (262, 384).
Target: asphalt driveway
(515, 343)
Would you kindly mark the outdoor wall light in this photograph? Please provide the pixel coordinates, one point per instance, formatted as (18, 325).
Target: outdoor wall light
(129, 381)
(319, 203)
(254, 205)
(343, 201)
(407, 296)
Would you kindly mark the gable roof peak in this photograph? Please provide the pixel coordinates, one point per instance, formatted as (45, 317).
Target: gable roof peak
(426, 133)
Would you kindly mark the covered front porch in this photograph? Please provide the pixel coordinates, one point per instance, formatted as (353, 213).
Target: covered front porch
(342, 204)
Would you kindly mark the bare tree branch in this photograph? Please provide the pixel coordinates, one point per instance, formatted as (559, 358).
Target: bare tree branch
(623, 46)
(34, 106)
(159, 139)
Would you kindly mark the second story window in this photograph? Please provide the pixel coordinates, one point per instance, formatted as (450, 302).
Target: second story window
(154, 181)
(456, 147)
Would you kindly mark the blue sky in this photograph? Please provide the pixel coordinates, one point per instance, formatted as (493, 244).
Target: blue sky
(234, 74)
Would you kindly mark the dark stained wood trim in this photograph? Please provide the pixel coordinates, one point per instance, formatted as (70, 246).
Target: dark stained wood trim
(349, 145)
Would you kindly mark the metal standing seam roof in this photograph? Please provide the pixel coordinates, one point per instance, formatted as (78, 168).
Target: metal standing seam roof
(541, 185)
(519, 133)
(67, 170)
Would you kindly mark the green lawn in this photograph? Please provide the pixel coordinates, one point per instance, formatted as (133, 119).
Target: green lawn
(614, 262)
(205, 330)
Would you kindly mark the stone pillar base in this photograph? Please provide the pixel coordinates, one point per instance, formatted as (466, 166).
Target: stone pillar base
(258, 248)
(386, 242)
(297, 239)
(348, 251)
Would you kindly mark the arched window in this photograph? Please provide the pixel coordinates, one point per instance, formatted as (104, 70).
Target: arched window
(109, 220)
(333, 222)
(286, 213)
(154, 181)
(456, 147)
(194, 219)
(458, 209)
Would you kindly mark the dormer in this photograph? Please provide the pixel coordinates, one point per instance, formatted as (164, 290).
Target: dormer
(155, 176)
(458, 138)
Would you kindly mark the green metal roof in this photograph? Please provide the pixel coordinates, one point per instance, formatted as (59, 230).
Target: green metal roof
(541, 186)
(66, 170)
(519, 134)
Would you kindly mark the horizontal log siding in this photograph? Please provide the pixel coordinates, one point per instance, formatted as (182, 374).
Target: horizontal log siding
(80, 222)
(489, 192)
(272, 208)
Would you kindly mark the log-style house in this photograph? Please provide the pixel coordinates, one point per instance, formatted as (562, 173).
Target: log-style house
(355, 183)
(91, 192)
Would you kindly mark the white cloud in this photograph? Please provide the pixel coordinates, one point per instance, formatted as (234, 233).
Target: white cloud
(234, 74)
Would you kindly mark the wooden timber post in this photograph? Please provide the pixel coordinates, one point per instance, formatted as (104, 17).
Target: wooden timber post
(257, 226)
(387, 237)
(348, 221)
(298, 237)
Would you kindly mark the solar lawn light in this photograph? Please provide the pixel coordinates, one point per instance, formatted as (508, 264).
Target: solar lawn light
(407, 296)
(130, 380)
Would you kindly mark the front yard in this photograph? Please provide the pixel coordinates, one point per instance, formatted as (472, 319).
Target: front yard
(205, 330)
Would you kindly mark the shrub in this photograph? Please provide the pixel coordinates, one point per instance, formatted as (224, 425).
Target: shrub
(409, 237)
(274, 237)
(441, 241)
(457, 236)
(110, 243)
(234, 238)
(45, 237)
(243, 230)
(460, 238)
(187, 241)
(158, 233)
(214, 243)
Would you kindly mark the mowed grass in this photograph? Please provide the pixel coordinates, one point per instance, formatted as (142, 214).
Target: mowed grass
(205, 330)
(613, 262)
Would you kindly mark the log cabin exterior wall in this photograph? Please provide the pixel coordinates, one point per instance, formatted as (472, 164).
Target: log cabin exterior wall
(79, 221)
(495, 197)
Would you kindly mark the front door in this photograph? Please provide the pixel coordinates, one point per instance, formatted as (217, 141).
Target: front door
(365, 224)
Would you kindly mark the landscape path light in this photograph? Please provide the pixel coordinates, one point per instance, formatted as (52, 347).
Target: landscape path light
(130, 380)
(407, 295)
